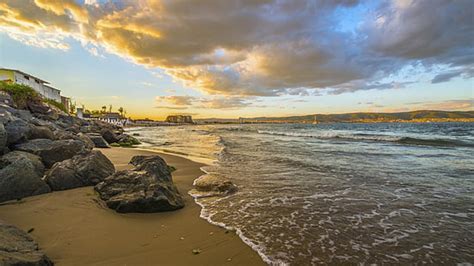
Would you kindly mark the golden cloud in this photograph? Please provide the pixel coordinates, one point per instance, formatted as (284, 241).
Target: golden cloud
(238, 47)
(61, 7)
(184, 102)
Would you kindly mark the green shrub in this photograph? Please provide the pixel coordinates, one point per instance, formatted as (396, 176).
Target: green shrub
(21, 94)
(125, 144)
(122, 144)
(59, 105)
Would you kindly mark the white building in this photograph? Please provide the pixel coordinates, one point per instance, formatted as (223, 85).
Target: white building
(39, 85)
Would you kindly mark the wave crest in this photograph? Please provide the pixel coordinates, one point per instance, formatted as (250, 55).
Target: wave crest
(375, 138)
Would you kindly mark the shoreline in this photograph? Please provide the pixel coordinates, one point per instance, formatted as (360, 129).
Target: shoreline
(72, 227)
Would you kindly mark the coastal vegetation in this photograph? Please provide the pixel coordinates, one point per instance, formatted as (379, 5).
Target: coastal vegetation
(56, 104)
(21, 94)
(24, 94)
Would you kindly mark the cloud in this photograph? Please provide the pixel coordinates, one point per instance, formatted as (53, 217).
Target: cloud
(449, 105)
(258, 47)
(147, 84)
(433, 31)
(44, 40)
(444, 77)
(224, 103)
(357, 85)
(183, 102)
(176, 100)
(172, 107)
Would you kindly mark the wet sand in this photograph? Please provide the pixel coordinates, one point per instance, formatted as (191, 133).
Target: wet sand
(74, 229)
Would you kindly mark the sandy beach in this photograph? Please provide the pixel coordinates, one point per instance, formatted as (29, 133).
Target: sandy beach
(73, 228)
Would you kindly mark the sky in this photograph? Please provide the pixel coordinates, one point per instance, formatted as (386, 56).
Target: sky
(246, 58)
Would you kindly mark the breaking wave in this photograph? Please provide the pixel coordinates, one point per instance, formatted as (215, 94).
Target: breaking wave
(375, 138)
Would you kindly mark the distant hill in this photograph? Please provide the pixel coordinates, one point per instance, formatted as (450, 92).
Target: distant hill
(414, 116)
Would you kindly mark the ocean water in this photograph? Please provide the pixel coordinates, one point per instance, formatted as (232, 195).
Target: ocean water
(339, 193)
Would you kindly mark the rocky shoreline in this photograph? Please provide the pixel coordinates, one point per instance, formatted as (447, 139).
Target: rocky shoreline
(43, 149)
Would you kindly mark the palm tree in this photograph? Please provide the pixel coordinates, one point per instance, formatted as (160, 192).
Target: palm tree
(72, 107)
(110, 108)
(121, 111)
(104, 109)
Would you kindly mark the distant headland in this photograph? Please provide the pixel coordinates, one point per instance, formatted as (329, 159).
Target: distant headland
(421, 116)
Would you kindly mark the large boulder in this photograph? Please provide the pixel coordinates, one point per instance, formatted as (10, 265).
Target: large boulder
(6, 113)
(18, 248)
(37, 107)
(153, 165)
(127, 140)
(44, 111)
(79, 171)
(68, 122)
(42, 123)
(63, 134)
(40, 132)
(21, 176)
(146, 188)
(86, 140)
(18, 131)
(109, 135)
(98, 140)
(53, 151)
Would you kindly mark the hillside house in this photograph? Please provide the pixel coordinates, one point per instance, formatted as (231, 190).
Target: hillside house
(111, 117)
(41, 86)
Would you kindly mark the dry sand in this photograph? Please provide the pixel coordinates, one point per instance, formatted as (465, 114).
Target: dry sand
(73, 229)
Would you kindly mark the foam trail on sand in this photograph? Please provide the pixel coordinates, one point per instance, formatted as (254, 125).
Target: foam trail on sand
(259, 249)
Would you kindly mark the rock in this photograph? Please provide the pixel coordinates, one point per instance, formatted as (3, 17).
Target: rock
(68, 121)
(86, 140)
(210, 186)
(62, 134)
(127, 140)
(44, 111)
(18, 131)
(98, 140)
(146, 188)
(79, 171)
(41, 132)
(37, 107)
(38, 122)
(3, 139)
(20, 176)
(153, 165)
(23, 115)
(18, 248)
(109, 136)
(53, 151)
(6, 113)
